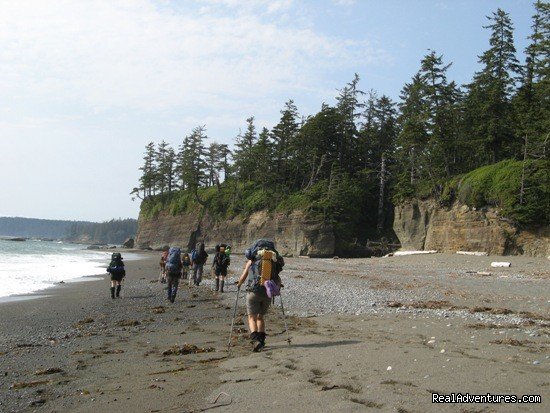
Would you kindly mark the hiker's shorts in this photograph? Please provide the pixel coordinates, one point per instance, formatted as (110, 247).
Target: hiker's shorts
(220, 271)
(257, 303)
(117, 276)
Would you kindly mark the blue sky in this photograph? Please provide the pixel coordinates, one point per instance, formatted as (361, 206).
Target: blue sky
(85, 85)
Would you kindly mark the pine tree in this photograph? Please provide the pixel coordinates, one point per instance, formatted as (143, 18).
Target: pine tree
(384, 151)
(194, 167)
(413, 137)
(531, 102)
(149, 173)
(488, 102)
(349, 106)
(263, 154)
(163, 167)
(245, 164)
(284, 138)
(441, 101)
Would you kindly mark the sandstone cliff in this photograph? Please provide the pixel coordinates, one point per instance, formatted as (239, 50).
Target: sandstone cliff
(294, 234)
(426, 225)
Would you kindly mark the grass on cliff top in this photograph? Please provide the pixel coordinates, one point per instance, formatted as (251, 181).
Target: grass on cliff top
(342, 205)
(498, 185)
(228, 201)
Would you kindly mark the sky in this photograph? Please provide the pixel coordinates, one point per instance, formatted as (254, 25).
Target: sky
(85, 85)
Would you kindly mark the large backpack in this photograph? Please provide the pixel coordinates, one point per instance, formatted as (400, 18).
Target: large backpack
(197, 257)
(173, 262)
(266, 266)
(116, 267)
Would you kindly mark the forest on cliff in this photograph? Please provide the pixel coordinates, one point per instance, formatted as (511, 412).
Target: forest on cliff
(484, 143)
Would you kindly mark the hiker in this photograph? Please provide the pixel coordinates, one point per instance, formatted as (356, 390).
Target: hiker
(265, 263)
(221, 262)
(213, 269)
(117, 271)
(185, 264)
(198, 259)
(173, 272)
(163, 258)
(228, 251)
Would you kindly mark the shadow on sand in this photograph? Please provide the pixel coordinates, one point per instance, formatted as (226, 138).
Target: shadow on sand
(323, 344)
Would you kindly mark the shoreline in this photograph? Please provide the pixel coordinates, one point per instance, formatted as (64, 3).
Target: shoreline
(77, 350)
(45, 292)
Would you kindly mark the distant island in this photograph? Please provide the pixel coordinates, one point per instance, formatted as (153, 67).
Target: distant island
(115, 231)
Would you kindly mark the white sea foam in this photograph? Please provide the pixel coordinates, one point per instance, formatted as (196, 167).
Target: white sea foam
(26, 267)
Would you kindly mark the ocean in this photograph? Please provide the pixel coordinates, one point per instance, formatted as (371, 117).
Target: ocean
(33, 265)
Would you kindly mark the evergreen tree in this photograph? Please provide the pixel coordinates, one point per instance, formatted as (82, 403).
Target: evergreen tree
(348, 105)
(245, 164)
(194, 166)
(284, 137)
(441, 101)
(263, 154)
(147, 181)
(164, 169)
(531, 102)
(488, 103)
(413, 137)
(319, 142)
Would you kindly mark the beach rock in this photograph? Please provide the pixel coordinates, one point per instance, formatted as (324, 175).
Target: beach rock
(129, 243)
(294, 233)
(426, 225)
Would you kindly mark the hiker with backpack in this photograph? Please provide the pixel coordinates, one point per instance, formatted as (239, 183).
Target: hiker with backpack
(117, 271)
(213, 269)
(221, 262)
(265, 263)
(186, 264)
(198, 259)
(163, 258)
(173, 272)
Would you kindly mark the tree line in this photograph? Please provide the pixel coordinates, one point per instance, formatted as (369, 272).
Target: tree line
(350, 161)
(115, 231)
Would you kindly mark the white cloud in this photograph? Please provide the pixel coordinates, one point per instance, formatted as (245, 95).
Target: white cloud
(344, 3)
(141, 55)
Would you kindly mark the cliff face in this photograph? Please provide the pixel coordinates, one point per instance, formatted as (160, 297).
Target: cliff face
(293, 233)
(425, 225)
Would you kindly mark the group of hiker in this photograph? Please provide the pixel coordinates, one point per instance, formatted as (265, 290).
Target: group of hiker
(263, 263)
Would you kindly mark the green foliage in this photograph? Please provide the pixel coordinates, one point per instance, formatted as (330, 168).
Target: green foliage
(347, 163)
(499, 185)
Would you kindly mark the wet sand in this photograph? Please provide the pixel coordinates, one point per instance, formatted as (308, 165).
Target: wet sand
(439, 327)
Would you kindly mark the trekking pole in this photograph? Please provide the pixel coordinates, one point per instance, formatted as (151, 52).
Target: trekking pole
(233, 322)
(284, 318)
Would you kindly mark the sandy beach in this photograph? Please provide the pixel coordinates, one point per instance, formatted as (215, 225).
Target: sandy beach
(378, 334)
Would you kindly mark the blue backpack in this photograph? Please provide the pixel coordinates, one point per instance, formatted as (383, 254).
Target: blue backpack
(173, 262)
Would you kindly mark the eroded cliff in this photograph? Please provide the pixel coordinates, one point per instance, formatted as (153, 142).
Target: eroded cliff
(294, 234)
(426, 225)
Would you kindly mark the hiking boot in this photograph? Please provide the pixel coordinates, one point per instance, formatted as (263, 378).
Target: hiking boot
(260, 336)
(113, 293)
(254, 336)
(118, 288)
(258, 347)
(217, 284)
(222, 284)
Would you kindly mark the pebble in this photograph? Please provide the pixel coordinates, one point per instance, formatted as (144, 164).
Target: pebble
(389, 368)
(442, 351)
(431, 342)
(536, 362)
